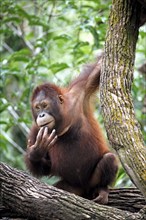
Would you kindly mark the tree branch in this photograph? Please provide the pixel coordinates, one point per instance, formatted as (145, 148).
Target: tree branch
(121, 125)
(28, 197)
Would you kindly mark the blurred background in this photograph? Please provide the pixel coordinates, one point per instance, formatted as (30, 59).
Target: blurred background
(51, 40)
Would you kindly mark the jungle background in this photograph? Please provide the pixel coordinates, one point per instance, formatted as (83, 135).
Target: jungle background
(51, 40)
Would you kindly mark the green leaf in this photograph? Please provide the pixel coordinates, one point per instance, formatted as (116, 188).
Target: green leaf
(63, 37)
(11, 19)
(95, 35)
(56, 67)
(22, 55)
(3, 107)
(21, 12)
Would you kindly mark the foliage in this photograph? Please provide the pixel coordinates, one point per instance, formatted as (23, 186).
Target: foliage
(49, 40)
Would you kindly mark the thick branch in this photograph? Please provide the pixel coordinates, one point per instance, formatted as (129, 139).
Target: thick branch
(116, 78)
(30, 198)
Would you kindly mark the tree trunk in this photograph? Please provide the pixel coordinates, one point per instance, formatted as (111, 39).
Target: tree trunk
(117, 73)
(25, 196)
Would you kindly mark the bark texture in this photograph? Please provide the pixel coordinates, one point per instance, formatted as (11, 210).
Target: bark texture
(25, 196)
(117, 73)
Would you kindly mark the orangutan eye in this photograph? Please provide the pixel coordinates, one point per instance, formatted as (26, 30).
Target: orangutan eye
(60, 99)
(37, 107)
(44, 105)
